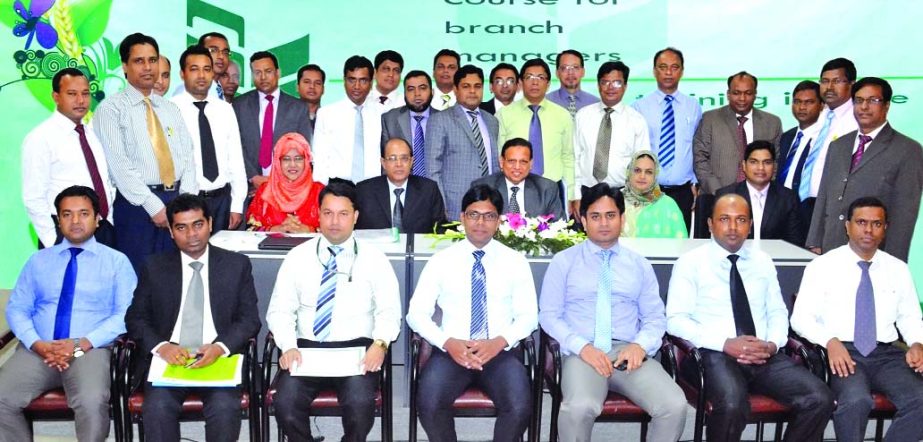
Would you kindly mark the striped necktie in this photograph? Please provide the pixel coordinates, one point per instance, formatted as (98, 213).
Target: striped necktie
(478, 298)
(667, 150)
(419, 160)
(325, 299)
(804, 190)
(479, 142)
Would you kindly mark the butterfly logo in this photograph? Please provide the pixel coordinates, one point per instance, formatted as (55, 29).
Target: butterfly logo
(33, 27)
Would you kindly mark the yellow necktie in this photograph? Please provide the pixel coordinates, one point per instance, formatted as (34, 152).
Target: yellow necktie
(161, 148)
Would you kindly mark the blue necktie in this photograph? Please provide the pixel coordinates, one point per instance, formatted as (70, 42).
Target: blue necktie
(220, 90)
(419, 160)
(804, 190)
(535, 137)
(62, 317)
(791, 156)
(358, 172)
(602, 338)
(865, 334)
(478, 298)
(667, 134)
(325, 299)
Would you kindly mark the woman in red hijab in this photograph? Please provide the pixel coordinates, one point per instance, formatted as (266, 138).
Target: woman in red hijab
(288, 201)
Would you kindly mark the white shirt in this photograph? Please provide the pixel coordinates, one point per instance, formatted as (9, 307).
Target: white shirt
(699, 299)
(391, 197)
(439, 103)
(393, 100)
(520, 199)
(757, 204)
(748, 125)
(275, 113)
(810, 134)
(843, 123)
(209, 334)
(228, 151)
(499, 105)
(629, 135)
(333, 141)
(512, 308)
(52, 160)
(212, 91)
(874, 134)
(826, 304)
(368, 306)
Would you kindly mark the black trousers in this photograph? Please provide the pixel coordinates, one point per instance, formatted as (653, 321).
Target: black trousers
(356, 395)
(136, 235)
(163, 405)
(504, 379)
(682, 194)
(219, 208)
(728, 384)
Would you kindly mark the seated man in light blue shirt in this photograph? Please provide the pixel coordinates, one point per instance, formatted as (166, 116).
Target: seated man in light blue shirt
(68, 305)
(601, 301)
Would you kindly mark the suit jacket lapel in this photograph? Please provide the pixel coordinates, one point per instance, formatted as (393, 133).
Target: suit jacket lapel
(403, 120)
(531, 197)
(464, 123)
(878, 145)
(384, 199)
(412, 197)
(214, 287)
(730, 118)
(174, 293)
(771, 209)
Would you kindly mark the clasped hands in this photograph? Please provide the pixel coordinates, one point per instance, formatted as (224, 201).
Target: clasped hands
(632, 353)
(291, 225)
(57, 354)
(749, 350)
(475, 353)
(176, 355)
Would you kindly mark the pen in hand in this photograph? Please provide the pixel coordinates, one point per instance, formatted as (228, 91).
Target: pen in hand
(198, 357)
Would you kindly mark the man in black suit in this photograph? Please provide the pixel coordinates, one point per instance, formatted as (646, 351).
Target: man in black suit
(534, 195)
(398, 199)
(258, 134)
(796, 143)
(167, 318)
(408, 122)
(504, 84)
(774, 207)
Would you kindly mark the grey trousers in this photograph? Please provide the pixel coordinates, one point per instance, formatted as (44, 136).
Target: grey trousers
(649, 386)
(86, 383)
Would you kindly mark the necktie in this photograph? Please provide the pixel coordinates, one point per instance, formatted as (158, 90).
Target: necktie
(419, 158)
(741, 147)
(479, 142)
(190, 335)
(62, 317)
(445, 101)
(865, 334)
(397, 215)
(207, 144)
(602, 337)
(857, 157)
(478, 298)
(572, 105)
(514, 204)
(603, 140)
(790, 157)
(161, 148)
(804, 190)
(93, 168)
(328, 288)
(220, 90)
(535, 137)
(267, 135)
(799, 169)
(358, 171)
(667, 150)
(743, 319)
(382, 99)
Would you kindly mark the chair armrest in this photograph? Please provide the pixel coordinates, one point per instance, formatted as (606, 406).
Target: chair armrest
(551, 348)
(668, 358)
(7, 338)
(685, 349)
(269, 350)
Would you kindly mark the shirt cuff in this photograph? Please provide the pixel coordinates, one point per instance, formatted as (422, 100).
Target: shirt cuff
(152, 204)
(224, 348)
(575, 344)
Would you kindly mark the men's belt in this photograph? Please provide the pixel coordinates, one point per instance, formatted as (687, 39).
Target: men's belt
(163, 188)
(216, 192)
(680, 186)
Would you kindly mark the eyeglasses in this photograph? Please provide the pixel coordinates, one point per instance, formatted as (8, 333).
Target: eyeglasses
(504, 81)
(669, 67)
(605, 84)
(215, 50)
(396, 159)
(487, 217)
(873, 101)
(533, 77)
(570, 67)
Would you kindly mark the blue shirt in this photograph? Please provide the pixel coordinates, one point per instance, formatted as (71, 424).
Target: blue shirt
(105, 285)
(562, 98)
(699, 299)
(567, 306)
(686, 117)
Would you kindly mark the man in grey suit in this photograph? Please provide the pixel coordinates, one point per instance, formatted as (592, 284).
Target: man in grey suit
(264, 115)
(461, 143)
(533, 195)
(874, 161)
(723, 134)
(408, 122)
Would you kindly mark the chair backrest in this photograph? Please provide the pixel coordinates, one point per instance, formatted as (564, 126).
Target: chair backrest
(703, 207)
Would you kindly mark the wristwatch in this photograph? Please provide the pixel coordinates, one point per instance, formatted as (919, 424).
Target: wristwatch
(381, 343)
(78, 350)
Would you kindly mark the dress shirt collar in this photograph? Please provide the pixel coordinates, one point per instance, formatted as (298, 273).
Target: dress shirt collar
(619, 107)
(762, 193)
(524, 104)
(275, 96)
(348, 245)
(186, 259)
(845, 109)
(874, 133)
(749, 115)
(135, 96)
(812, 130)
(90, 245)
(469, 247)
(852, 256)
(186, 96)
(392, 185)
(425, 113)
(510, 184)
(498, 104)
(63, 122)
(720, 253)
(594, 249)
(464, 111)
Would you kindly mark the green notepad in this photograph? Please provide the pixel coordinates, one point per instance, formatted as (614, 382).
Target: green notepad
(223, 369)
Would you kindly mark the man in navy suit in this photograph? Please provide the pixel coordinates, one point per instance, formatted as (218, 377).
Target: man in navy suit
(411, 203)
(796, 143)
(774, 207)
(535, 195)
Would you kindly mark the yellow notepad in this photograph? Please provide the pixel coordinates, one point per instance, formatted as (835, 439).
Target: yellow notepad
(224, 372)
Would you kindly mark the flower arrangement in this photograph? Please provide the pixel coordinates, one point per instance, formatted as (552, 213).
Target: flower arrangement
(536, 236)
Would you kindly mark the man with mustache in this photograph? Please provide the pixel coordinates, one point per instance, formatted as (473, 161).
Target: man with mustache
(408, 122)
(570, 73)
(388, 67)
(504, 84)
(796, 143)
(219, 49)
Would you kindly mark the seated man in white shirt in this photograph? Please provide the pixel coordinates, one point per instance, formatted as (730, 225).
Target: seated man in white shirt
(485, 311)
(725, 299)
(333, 291)
(853, 300)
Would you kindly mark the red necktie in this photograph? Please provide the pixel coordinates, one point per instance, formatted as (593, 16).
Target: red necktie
(266, 137)
(864, 140)
(94, 172)
(741, 148)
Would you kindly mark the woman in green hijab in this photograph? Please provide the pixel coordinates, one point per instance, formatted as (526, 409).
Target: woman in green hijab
(648, 212)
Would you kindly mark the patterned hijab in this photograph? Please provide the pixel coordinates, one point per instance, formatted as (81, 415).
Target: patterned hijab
(280, 192)
(642, 197)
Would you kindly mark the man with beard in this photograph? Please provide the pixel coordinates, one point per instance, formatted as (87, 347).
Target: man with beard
(408, 122)
(311, 79)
